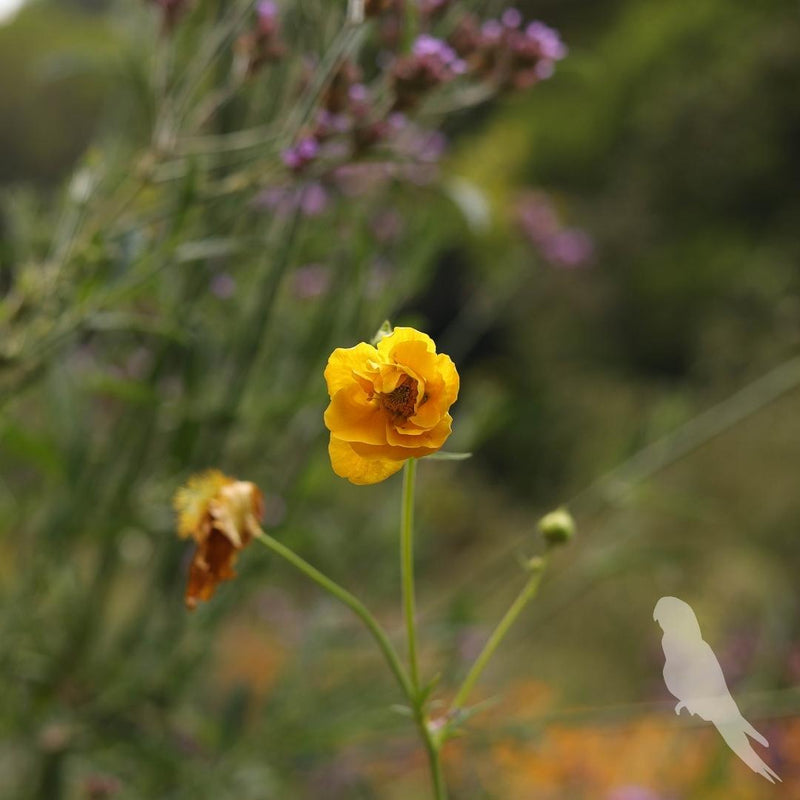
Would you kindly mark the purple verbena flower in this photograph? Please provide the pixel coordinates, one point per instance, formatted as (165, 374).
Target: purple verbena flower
(431, 63)
(511, 18)
(429, 47)
(547, 40)
(223, 285)
(358, 93)
(328, 124)
(302, 154)
(544, 70)
(537, 217)
(569, 248)
(267, 11)
(492, 31)
(313, 200)
(311, 281)
(310, 199)
(563, 247)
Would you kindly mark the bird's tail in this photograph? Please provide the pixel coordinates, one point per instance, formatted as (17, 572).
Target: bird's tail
(735, 734)
(753, 733)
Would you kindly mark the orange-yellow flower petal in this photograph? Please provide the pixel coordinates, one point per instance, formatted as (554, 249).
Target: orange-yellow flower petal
(388, 403)
(359, 469)
(355, 418)
(344, 361)
(431, 439)
(399, 335)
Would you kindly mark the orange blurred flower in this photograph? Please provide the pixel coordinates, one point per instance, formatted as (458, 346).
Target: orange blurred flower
(222, 516)
(388, 403)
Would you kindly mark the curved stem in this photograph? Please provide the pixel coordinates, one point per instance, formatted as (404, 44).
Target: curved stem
(352, 602)
(407, 567)
(528, 592)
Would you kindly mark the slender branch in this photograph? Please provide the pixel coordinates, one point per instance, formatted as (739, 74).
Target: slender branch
(351, 601)
(355, 12)
(407, 566)
(528, 592)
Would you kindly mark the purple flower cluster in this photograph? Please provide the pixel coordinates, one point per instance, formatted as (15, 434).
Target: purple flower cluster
(300, 155)
(357, 141)
(439, 53)
(310, 199)
(262, 44)
(350, 125)
(506, 51)
(432, 62)
(310, 281)
(267, 17)
(558, 245)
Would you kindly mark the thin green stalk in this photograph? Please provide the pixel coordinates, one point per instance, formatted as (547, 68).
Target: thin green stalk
(352, 602)
(411, 24)
(407, 567)
(528, 592)
(409, 609)
(437, 776)
(355, 12)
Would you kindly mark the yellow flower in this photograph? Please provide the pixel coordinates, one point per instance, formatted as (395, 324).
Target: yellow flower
(388, 403)
(222, 516)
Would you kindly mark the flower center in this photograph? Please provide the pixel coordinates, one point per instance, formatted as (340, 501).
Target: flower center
(400, 401)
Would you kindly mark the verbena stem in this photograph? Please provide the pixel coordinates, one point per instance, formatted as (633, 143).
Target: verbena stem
(352, 602)
(407, 567)
(528, 592)
(411, 24)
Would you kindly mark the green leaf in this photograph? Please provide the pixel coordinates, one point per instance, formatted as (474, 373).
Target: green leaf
(442, 456)
(385, 330)
(34, 448)
(127, 389)
(428, 689)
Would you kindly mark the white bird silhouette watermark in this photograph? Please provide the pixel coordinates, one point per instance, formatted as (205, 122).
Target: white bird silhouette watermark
(694, 676)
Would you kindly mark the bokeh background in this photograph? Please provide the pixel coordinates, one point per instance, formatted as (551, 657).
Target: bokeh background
(612, 258)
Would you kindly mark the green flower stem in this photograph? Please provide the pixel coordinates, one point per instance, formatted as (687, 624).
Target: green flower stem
(528, 592)
(411, 24)
(432, 746)
(407, 567)
(352, 602)
(437, 776)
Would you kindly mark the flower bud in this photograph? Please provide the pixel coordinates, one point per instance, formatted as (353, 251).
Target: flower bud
(557, 527)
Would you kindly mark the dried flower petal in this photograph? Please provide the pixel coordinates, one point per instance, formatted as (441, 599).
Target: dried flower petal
(222, 515)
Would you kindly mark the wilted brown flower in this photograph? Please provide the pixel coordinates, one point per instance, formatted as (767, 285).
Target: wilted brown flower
(222, 515)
